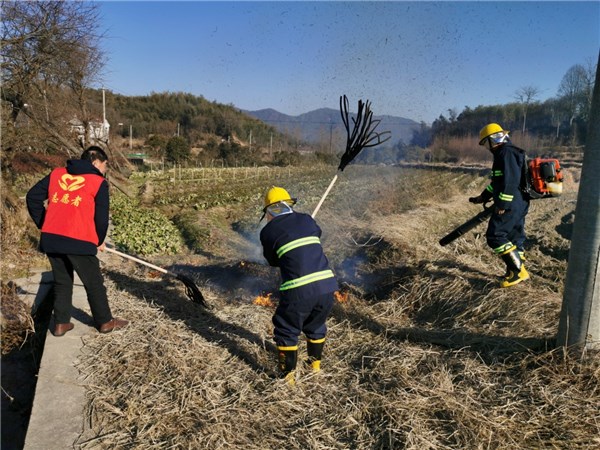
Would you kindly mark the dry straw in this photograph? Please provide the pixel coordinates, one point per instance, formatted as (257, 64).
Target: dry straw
(432, 355)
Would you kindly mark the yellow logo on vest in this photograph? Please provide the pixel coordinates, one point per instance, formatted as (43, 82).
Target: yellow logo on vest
(71, 183)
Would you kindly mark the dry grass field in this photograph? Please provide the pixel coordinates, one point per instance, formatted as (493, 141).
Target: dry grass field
(424, 352)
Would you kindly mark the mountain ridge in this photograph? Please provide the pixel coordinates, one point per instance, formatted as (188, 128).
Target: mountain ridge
(324, 125)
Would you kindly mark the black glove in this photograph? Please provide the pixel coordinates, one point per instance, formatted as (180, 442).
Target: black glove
(476, 200)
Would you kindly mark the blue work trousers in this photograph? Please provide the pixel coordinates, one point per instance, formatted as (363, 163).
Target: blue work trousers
(508, 228)
(301, 315)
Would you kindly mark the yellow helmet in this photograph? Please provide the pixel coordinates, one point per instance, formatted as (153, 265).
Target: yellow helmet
(488, 130)
(278, 194)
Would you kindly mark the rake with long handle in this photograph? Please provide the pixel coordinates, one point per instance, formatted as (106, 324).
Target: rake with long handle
(363, 135)
(191, 290)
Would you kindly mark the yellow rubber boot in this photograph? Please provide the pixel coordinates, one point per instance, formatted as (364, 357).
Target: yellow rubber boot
(515, 277)
(516, 271)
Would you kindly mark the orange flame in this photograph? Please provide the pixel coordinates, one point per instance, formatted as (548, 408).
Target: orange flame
(264, 300)
(341, 297)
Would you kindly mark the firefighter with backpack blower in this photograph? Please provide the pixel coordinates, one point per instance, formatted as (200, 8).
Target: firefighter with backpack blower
(506, 228)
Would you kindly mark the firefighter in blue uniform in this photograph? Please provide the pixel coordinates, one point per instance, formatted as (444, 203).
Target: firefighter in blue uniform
(506, 228)
(291, 241)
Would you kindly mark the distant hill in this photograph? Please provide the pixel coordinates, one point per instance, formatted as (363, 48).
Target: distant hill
(320, 125)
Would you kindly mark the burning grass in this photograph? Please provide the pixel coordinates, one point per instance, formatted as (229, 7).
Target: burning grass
(265, 300)
(341, 296)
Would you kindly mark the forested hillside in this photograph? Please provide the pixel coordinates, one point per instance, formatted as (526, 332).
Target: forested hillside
(556, 125)
(192, 116)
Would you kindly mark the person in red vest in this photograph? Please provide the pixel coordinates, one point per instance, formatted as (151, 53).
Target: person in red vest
(73, 228)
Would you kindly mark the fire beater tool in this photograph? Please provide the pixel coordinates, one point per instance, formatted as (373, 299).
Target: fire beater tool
(363, 135)
(467, 226)
(191, 290)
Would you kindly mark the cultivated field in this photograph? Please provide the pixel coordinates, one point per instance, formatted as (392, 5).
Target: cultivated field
(426, 352)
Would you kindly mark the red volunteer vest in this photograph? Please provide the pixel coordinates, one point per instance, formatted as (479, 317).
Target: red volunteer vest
(71, 205)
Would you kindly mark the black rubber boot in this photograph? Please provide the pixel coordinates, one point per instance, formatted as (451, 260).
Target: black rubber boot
(287, 359)
(314, 349)
(522, 256)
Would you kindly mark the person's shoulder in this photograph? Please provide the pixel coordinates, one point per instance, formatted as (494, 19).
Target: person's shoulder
(509, 146)
(269, 228)
(303, 218)
(81, 167)
(58, 170)
(504, 150)
(289, 221)
(263, 232)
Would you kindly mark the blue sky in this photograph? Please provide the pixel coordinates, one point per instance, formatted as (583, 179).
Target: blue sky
(410, 59)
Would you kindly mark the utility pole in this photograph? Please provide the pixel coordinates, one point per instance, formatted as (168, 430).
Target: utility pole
(103, 107)
(105, 125)
(579, 326)
(46, 106)
(330, 134)
(130, 137)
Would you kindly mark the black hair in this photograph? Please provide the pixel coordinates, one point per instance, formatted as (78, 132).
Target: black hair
(94, 153)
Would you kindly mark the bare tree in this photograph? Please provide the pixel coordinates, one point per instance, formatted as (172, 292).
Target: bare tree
(526, 95)
(49, 49)
(556, 111)
(572, 89)
(588, 76)
(452, 115)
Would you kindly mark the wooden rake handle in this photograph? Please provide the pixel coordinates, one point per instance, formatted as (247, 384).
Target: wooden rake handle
(191, 290)
(133, 258)
(314, 213)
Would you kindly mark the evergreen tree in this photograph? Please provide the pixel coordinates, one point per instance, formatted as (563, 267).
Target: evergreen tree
(177, 150)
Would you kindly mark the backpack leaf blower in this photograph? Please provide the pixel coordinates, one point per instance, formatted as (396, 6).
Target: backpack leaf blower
(543, 178)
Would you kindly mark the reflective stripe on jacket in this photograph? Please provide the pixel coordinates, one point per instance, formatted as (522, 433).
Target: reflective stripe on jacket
(292, 243)
(506, 176)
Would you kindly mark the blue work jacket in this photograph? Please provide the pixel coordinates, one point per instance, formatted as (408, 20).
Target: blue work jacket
(506, 178)
(292, 243)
